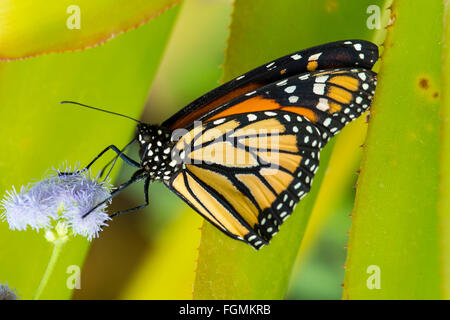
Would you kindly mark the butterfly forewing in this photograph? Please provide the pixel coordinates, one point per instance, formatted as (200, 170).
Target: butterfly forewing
(328, 98)
(349, 53)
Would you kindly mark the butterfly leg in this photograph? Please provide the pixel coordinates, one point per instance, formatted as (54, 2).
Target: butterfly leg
(146, 185)
(120, 154)
(137, 176)
(113, 161)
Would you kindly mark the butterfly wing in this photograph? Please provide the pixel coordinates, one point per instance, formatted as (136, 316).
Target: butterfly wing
(250, 161)
(338, 54)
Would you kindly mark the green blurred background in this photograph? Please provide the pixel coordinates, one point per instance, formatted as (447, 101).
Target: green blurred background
(152, 245)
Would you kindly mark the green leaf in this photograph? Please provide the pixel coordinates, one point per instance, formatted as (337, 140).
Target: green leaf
(159, 275)
(39, 133)
(228, 269)
(341, 172)
(444, 174)
(394, 236)
(346, 156)
(29, 28)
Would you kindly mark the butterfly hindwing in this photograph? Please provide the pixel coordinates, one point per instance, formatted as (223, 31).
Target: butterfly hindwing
(248, 163)
(340, 54)
(247, 180)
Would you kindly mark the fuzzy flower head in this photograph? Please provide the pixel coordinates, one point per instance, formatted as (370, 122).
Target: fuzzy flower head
(7, 293)
(57, 203)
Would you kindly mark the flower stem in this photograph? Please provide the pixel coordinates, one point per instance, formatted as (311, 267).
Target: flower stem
(57, 246)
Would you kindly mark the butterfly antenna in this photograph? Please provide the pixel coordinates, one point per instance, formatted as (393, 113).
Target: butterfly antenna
(98, 109)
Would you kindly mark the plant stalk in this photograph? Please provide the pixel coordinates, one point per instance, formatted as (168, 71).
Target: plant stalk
(57, 246)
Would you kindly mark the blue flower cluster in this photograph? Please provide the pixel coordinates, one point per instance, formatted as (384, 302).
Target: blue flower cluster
(59, 199)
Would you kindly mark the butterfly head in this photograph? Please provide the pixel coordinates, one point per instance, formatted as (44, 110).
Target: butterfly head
(155, 149)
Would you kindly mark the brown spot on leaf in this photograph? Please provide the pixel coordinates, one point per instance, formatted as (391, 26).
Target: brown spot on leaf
(424, 83)
(427, 86)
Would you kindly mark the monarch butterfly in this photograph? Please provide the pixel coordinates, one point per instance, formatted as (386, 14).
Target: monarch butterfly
(273, 121)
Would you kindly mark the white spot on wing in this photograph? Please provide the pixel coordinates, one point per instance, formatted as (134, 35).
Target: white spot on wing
(293, 99)
(323, 104)
(219, 121)
(327, 122)
(319, 88)
(290, 89)
(314, 56)
(322, 79)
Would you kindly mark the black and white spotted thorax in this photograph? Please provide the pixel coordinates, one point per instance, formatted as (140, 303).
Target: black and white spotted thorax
(155, 148)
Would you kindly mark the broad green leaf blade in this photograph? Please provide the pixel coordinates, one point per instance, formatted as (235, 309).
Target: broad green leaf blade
(40, 133)
(341, 171)
(228, 269)
(346, 156)
(29, 28)
(394, 236)
(160, 275)
(444, 174)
